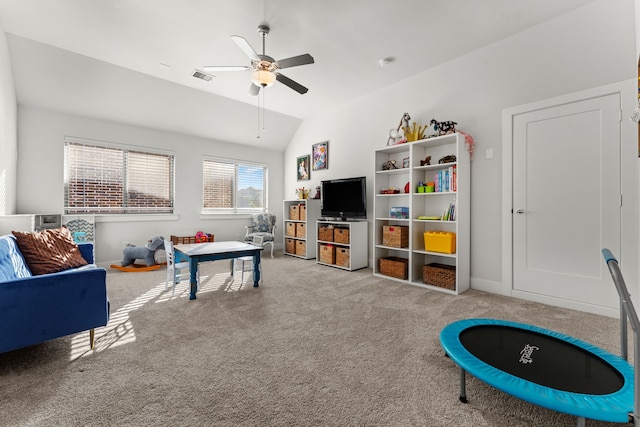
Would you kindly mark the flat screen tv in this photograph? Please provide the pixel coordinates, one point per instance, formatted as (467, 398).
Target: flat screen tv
(344, 198)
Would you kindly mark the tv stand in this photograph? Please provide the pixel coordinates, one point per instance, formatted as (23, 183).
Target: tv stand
(342, 244)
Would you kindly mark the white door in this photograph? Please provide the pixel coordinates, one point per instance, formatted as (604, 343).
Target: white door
(566, 199)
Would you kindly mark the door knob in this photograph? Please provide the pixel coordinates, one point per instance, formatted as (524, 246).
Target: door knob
(520, 211)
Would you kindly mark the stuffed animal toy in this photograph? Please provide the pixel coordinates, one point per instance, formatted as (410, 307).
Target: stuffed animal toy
(444, 128)
(388, 165)
(147, 252)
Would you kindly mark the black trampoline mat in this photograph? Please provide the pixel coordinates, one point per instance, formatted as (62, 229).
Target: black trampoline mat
(541, 359)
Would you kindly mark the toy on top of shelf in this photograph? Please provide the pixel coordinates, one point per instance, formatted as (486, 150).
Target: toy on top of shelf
(444, 128)
(415, 132)
(302, 193)
(426, 161)
(396, 136)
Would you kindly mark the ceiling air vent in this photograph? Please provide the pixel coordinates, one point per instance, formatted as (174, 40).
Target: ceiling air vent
(201, 75)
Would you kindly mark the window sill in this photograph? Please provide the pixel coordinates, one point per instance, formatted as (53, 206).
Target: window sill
(225, 215)
(136, 218)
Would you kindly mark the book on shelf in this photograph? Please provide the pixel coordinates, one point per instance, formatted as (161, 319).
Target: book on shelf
(446, 180)
(450, 213)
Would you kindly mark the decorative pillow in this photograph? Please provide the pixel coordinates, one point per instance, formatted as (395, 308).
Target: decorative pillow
(49, 251)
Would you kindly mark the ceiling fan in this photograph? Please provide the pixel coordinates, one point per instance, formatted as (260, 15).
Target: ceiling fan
(265, 70)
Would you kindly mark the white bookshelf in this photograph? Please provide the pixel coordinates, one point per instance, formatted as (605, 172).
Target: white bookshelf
(424, 204)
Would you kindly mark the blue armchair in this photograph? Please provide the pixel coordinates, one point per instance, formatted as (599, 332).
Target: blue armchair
(263, 225)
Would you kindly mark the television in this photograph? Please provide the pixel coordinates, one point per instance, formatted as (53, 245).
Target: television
(344, 198)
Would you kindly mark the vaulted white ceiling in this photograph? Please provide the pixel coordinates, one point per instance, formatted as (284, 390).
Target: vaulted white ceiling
(131, 61)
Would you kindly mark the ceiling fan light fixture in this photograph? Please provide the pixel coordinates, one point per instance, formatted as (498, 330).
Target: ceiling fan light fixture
(263, 78)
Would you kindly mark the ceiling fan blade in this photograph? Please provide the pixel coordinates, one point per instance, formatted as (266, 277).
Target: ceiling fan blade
(246, 47)
(254, 90)
(293, 85)
(295, 61)
(226, 67)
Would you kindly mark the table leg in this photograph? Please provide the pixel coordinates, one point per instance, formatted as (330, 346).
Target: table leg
(256, 269)
(193, 269)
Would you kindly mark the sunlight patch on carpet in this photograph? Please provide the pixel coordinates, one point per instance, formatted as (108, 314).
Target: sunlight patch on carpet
(118, 331)
(218, 282)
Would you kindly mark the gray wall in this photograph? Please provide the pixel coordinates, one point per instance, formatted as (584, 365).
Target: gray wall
(8, 136)
(41, 190)
(590, 47)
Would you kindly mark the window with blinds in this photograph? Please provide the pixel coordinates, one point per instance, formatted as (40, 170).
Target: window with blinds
(233, 187)
(103, 179)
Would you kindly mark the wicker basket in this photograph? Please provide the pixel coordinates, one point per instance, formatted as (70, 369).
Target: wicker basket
(303, 211)
(290, 229)
(342, 257)
(341, 235)
(325, 234)
(395, 236)
(294, 212)
(301, 248)
(394, 267)
(185, 240)
(290, 246)
(328, 254)
(301, 230)
(440, 275)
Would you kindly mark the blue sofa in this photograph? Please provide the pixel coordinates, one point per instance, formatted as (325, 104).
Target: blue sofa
(38, 308)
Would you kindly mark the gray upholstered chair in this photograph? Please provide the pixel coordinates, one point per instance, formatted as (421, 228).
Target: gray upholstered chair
(262, 225)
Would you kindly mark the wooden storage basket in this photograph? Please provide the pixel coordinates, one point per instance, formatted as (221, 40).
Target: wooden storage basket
(342, 257)
(290, 229)
(341, 235)
(301, 230)
(301, 248)
(185, 240)
(294, 212)
(302, 211)
(290, 246)
(325, 234)
(440, 275)
(394, 267)
(395, 236)
(328, 254)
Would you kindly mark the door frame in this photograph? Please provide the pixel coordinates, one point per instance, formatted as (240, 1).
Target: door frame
(629, 188)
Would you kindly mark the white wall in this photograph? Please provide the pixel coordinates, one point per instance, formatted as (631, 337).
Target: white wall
(41, 172)
(8, 135)
(589, 47)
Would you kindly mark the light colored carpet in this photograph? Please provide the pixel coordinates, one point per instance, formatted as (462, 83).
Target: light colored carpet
(312, 346)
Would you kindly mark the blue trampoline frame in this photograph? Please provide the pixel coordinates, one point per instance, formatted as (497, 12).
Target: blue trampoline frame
(620, 406)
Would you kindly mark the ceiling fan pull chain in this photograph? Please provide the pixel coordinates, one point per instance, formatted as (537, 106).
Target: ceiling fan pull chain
(258, 136)
(263, 107)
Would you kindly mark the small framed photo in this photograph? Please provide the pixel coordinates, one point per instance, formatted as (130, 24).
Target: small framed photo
(303, 172)
(405, 162)
(320, 156)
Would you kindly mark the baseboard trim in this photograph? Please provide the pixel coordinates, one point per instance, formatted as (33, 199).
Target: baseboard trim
(486, 285)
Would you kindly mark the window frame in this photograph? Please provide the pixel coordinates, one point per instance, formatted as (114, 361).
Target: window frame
(235, 210)
(125, 209)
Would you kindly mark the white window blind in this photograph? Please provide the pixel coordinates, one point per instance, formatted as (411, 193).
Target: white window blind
(102, 179)
(230, 186)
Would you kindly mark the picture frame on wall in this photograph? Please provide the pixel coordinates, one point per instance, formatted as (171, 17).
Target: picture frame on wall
(320, 156)
(303, 172)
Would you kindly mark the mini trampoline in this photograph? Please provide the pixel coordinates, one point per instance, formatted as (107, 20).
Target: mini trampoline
(548, 368)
